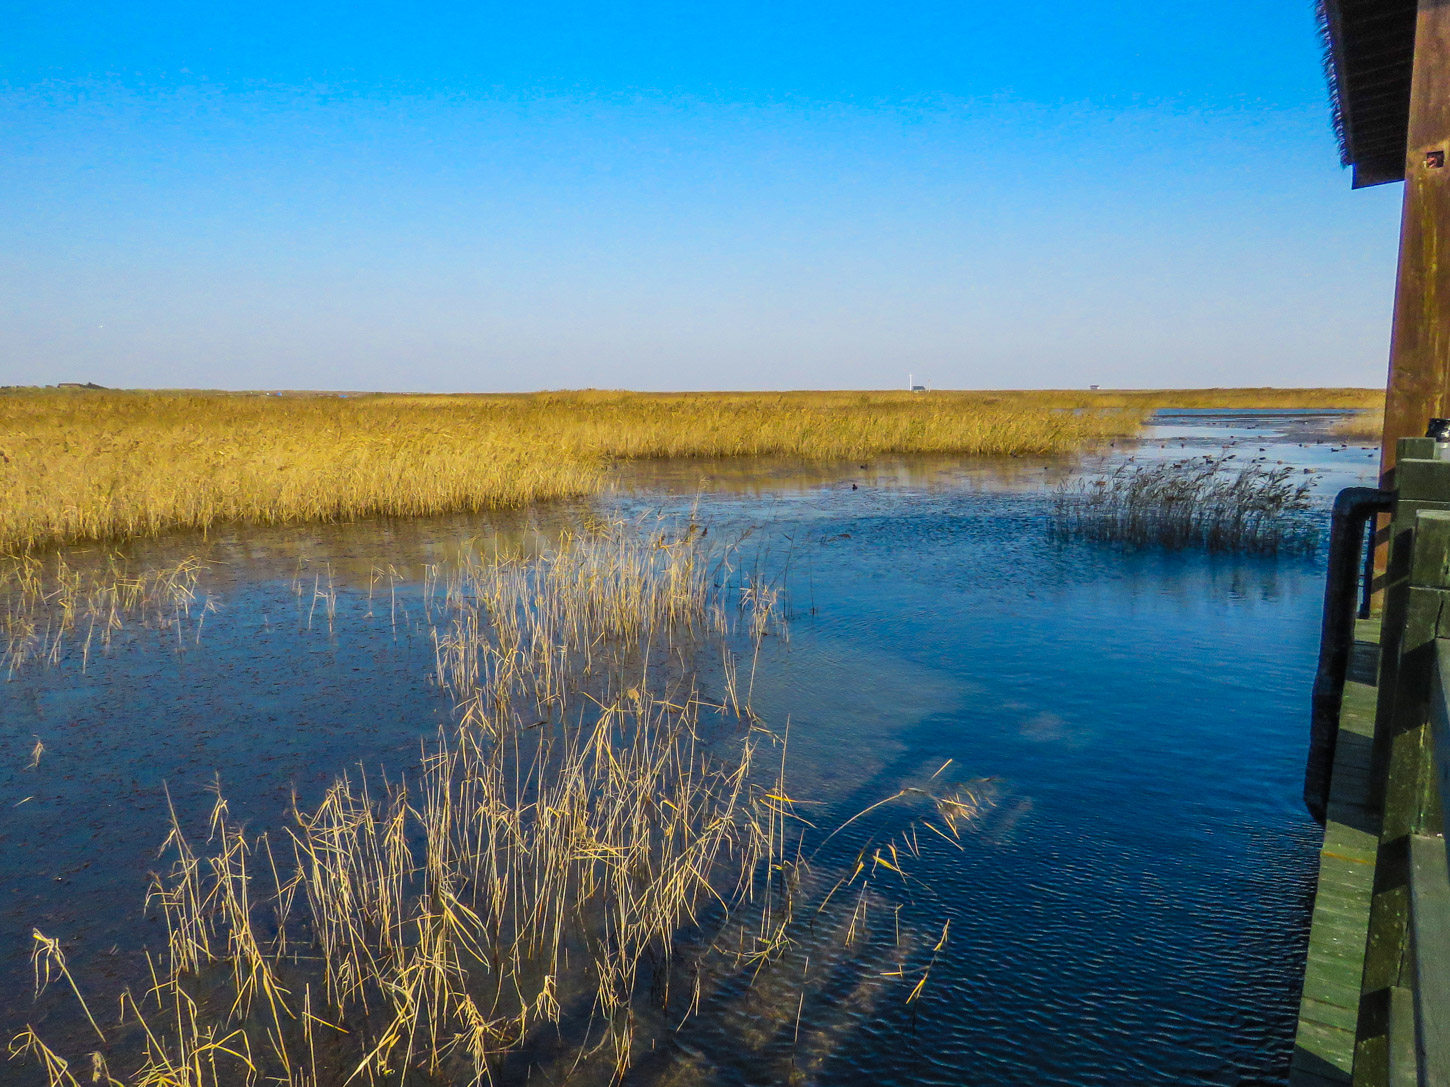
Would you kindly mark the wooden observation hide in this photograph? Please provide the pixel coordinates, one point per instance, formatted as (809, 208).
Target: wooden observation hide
(1375, 1005)
(1388, 63)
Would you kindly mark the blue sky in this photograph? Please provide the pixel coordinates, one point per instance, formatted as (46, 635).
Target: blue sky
(653, 196)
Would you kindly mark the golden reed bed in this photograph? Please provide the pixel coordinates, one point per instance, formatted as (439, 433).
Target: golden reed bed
(1363, 426)
(104, 465)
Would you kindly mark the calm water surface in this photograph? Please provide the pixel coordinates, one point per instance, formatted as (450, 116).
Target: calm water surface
(1131, 907)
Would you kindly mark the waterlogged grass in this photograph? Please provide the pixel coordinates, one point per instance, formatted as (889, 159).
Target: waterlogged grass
(47, 603)
(520, 893)
(542, 850)
(1207, 502)
(102, 465)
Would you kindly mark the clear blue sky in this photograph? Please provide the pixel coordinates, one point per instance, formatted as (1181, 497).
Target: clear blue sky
(505, 197)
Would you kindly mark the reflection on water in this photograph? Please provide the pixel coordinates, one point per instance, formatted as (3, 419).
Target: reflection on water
(763, 477)
(1126, 904)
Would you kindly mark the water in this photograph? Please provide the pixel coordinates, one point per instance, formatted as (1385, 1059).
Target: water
(1129, 906)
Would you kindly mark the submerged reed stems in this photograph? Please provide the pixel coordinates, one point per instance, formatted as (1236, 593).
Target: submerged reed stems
(1205, 502)
(47, 602)
(587, 804)
(598, 846)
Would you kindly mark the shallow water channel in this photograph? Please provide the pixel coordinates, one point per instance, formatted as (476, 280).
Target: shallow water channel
(1129, 903)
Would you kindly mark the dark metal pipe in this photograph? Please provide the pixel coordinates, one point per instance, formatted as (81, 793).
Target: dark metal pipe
(1351, 533)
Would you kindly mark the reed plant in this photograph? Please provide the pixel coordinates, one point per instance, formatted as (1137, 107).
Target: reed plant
(112, 466)
(100, 465)
(48, 601)
(1247, 399)
(1206, 502)
(1363, 426)
(600, 844)
(587, 803)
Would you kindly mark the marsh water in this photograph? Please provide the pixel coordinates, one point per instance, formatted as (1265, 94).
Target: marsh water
(1130, 906)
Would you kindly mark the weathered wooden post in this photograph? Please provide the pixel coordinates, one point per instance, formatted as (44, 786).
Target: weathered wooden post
(1419, 379)
(1390, 85)
(1424, 485)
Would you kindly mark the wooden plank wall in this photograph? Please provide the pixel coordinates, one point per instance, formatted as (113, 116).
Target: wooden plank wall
(1375, 1010)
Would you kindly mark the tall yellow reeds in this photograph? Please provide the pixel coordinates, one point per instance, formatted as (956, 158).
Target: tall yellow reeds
(99, 465)
(102, 465)
(1363, 426)
(118, 465)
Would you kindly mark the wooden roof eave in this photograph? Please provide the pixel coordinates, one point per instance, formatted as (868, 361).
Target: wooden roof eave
(1369, 57)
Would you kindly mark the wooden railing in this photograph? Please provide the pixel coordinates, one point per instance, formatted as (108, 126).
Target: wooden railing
(1418, 1025)
(1404, 1027)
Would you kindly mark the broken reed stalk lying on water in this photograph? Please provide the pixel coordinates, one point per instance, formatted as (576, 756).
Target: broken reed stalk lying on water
(43, 602)
(106, 465)
(538, 860)
(1207, 503)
